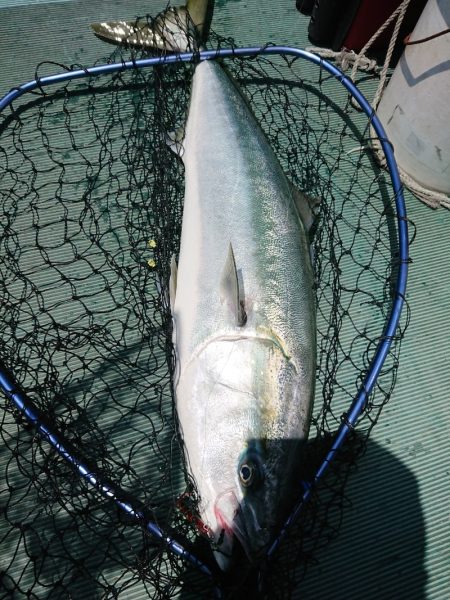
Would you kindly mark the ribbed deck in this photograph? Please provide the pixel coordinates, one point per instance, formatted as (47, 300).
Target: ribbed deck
(395, 538)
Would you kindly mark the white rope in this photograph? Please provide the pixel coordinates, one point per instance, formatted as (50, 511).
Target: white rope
(431, 197)
(401, 14)
(398, 14)
(345, 58)
(361, 62)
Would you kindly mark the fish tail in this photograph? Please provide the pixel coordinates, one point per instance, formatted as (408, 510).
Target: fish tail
(176, 29)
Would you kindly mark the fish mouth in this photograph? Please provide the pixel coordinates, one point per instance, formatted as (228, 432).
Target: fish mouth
(239, 522)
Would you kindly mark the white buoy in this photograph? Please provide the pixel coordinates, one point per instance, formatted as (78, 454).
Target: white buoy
(415, 106)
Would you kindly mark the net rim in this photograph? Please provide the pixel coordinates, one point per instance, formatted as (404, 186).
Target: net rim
(32, 413)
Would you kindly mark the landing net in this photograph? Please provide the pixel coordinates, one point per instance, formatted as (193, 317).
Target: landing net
(91, 203)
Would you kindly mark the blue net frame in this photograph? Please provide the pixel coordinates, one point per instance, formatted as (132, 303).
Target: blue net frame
(124, 501)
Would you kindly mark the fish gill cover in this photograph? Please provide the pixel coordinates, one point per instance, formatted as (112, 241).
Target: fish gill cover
(91, 203)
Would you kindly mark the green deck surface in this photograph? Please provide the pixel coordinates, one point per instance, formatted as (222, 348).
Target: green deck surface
(395, 538)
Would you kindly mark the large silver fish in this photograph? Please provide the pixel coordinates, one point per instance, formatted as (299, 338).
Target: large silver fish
(243, 320)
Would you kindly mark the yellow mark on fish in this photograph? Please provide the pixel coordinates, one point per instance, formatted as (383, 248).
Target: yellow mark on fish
(151, 263)
(152, 244)
(270, 334)
(269, 413)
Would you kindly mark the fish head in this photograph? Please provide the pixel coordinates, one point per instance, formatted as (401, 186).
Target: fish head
(248, 515)
(244, 449)
(241, 513)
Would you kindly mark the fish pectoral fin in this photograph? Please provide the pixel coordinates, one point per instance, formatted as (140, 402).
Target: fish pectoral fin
(173, 281)
(229, 289)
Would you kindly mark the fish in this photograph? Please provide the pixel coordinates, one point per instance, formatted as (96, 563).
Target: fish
(244, 319)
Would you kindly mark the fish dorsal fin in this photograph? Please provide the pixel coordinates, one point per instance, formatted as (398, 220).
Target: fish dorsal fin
(229, 289)
(173, 281)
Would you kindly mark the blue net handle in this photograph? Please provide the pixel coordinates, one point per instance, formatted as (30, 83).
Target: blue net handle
(30, 411)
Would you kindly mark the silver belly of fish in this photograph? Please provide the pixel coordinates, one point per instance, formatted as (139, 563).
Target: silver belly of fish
(244, 320)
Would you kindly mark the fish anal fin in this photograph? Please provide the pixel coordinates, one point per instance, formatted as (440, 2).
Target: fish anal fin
(229, 289)
(174, 139)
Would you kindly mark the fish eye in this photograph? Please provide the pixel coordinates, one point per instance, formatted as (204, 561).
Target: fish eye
(249, 473)
(246, 474)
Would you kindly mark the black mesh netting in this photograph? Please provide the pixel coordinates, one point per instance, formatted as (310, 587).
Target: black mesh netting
(91, 204)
